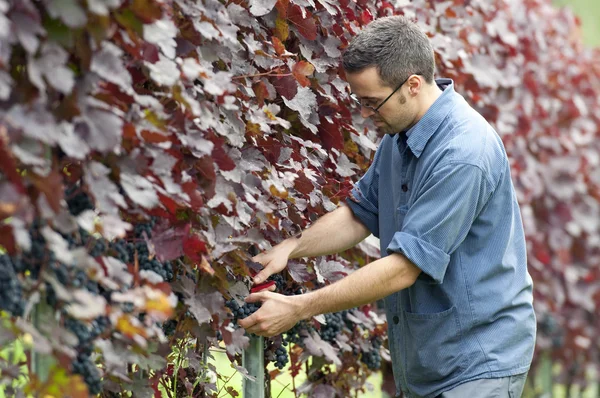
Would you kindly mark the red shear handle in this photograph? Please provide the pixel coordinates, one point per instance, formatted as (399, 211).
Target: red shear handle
(262, 286)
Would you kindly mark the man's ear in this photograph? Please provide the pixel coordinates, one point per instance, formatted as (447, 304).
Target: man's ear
(415, 84)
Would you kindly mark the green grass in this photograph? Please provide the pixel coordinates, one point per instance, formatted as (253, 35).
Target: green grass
(588, 12)
(14, 353)
(281, 386)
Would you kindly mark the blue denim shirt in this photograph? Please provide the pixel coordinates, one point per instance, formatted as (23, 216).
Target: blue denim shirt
(442, 195)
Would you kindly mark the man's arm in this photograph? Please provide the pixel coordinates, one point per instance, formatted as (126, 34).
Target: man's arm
(370, 283)
(332, 233)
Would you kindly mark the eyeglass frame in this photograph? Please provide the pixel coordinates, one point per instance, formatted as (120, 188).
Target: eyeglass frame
(376, 109)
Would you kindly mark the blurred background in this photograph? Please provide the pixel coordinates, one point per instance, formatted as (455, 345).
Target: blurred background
(588, 11)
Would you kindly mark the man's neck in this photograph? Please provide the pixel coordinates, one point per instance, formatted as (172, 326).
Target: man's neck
(430, 94)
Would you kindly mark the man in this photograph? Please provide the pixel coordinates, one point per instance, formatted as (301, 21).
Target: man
(439, 196)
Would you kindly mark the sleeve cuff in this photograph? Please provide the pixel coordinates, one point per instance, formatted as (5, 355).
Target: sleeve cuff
(424, 255)
(364, 210)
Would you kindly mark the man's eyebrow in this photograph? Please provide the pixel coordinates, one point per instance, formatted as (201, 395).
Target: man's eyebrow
(367, 98)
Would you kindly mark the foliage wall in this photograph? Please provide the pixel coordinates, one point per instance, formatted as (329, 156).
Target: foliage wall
(148, 148)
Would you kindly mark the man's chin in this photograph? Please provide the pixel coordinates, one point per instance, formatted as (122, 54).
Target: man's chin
(384, 128)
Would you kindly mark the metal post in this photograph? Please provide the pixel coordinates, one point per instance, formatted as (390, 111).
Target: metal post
(546, 376)
(41, 314)
(253, 360)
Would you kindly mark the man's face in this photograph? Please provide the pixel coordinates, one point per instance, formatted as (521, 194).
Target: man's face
(396, 114)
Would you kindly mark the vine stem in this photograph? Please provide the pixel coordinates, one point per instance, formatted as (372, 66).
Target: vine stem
(226, 381)
(263, 74)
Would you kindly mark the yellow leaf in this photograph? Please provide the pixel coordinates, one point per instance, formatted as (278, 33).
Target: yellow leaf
(282, 29)
(280, 194)
(125, 326)
(159, 306)
(270, 114)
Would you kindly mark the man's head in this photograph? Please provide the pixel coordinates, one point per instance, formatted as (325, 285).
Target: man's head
(391, 53)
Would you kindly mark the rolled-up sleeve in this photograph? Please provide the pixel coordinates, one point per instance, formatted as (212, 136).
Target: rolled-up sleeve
(364, 197)
(441, 217)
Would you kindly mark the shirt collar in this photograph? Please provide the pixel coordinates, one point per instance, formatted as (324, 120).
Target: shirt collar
(420, 133)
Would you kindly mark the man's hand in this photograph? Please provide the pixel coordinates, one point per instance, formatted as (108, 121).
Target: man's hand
(274, 261)
(277, 314)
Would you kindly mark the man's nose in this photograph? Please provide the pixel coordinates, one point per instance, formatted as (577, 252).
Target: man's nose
(366, 112)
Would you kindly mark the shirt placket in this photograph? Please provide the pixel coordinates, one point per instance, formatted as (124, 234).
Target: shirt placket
(406, 156)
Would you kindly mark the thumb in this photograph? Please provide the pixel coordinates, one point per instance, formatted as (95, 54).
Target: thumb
(263, 275)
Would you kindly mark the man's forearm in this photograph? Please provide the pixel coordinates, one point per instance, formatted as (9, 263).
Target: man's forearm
(366, 285)
(332, 233)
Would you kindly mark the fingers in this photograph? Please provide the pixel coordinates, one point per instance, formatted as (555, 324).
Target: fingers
(258, 258)
(256, 297)
(263, 275)
(249, 321)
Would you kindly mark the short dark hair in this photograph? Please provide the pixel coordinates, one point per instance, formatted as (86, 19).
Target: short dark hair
(396, 46)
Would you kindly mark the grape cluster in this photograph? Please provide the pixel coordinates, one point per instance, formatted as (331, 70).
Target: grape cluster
(79, 329)
(333, 327)
(127, 307)
(38, 255)
(51, 297)
(84, 366)
(165, 270)
(280, 357)
(293, 335)
(122, 250)
(100, 325)
(169, 327)
(98, 248)
(241, 312)
(146, 227)
(11, 293)
(77, 200)
(279, 280)
(372, 358)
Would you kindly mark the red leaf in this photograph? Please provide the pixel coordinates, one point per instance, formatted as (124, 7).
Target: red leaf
(301, 70)
(52, 188)
(220, 156)
(194, 247)
(150, 52)
(278, 45)
(196, 201)
(282, 7)
(366, 17)
(271, 148)
(7, 163)
(146, 10)
(305, 25)
(261, 92)
(330, 135)
(169, 203)
(7, 239)
(286, 86)
(303, 184)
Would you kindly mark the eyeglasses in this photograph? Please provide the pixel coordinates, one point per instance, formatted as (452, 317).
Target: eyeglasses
(376, 109)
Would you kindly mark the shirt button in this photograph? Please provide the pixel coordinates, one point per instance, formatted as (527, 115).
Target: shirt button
(404, 187)
(396, 319)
